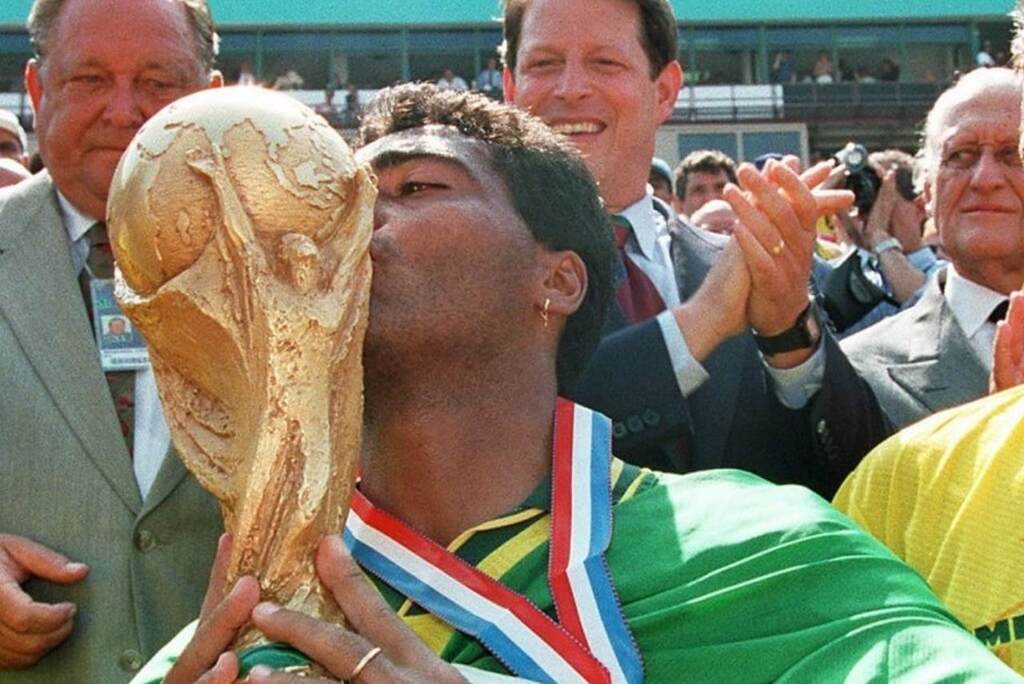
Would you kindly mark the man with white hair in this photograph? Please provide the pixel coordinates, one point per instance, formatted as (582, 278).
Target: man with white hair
(938, 353)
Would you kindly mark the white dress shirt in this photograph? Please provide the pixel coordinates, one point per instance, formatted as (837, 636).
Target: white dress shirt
(649, 248)
(151, 438)
(971, 305)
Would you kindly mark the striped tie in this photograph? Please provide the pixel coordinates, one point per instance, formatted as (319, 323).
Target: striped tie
(637, 296)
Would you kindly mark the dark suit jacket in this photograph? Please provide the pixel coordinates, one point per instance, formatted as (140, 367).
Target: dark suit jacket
(66, 476)
(734, 419)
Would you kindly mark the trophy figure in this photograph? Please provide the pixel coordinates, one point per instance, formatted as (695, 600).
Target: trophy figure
(241, 224)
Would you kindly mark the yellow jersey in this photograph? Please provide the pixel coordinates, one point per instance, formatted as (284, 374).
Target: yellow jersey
(946, 495)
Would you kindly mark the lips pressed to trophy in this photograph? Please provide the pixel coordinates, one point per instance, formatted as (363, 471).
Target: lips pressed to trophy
(241, 222)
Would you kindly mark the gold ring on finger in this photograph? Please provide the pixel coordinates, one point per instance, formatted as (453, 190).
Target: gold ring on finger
(361, 665)
(777, 249)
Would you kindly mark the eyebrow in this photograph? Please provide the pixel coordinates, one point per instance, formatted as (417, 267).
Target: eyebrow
(388, 159)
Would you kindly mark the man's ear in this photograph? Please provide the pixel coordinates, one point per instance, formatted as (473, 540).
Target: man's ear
(667, 86)
(33, 83)
(564, 287)
(928, 199)
(508, 84)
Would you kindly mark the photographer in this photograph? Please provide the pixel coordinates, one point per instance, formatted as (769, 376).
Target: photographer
(889, 264)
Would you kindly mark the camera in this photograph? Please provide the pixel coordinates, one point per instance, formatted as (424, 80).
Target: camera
(865, 182)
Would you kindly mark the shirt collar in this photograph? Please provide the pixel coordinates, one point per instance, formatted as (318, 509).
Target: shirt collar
(648, 224)
(970, 302)
(76, 223)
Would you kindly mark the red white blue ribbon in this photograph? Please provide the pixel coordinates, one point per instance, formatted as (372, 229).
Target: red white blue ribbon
(592, 643)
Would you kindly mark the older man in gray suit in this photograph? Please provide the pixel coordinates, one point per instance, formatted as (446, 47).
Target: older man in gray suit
(938, 353)
(104, 537)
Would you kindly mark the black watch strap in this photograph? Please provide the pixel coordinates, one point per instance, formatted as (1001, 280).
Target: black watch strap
(803, 334)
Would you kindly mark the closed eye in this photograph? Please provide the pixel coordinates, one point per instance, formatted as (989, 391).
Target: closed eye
(416, 187)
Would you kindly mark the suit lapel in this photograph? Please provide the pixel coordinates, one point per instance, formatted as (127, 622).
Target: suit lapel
(42, 303)
(942, 368)
(172, 472)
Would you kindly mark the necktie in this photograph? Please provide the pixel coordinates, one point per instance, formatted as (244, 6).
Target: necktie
(639, 301)
(999, 313)
(637, 296)
(100, 263)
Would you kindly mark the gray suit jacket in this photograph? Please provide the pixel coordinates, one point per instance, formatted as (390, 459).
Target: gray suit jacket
(920, 360)
(66, 479)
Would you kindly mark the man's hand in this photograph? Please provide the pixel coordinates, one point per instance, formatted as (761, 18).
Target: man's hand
(28, 629)
(718, 309)
(1008, 350)
(877, 229)
(403, 656)
(206, 659)
(778, 212)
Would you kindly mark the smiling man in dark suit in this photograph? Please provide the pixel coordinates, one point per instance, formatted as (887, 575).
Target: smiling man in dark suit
(715, 355)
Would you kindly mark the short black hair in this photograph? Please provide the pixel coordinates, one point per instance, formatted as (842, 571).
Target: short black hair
(550, 187)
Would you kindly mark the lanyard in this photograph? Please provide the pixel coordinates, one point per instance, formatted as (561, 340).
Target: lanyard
(591, 642)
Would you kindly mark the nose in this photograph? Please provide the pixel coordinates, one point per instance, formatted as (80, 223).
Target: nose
(124, 107)
(573, 82)
(989, 173)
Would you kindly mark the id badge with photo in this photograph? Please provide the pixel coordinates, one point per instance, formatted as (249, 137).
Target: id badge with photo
(120, 344)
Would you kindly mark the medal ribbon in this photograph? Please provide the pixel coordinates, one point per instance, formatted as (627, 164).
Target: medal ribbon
(592, 643)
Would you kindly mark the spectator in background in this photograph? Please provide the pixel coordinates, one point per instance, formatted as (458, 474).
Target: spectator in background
(701, 177)
(661, 180)
(289, 80)
(938, 353)
(327, 109)
(245, 75)
(449, 81)
(863, 75)
(985, 58)
(782, 68)
(488, 81)
(353, 106)
(889, 71)
(13, 140)
(823, 71)
(888, 237)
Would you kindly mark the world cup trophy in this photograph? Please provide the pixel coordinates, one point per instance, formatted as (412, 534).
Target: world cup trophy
(240, 223)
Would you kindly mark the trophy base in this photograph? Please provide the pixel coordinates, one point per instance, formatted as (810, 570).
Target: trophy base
(278, 657)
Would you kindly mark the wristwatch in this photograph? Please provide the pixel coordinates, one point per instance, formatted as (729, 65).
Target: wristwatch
(805, 333)
(886, 245)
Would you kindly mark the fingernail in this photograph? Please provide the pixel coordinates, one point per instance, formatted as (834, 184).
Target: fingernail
(260, 672)
(265, 610)
(76, 567)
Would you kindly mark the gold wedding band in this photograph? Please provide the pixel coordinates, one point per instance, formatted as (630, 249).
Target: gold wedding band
(777, 249)
(361, 665)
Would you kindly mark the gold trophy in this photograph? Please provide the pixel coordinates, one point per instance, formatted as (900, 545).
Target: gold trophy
(241, 222)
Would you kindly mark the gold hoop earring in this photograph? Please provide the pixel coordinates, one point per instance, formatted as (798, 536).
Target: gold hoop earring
(544, 312)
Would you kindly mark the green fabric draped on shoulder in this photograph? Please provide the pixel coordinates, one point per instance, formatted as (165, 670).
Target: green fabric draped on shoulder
(724, 577)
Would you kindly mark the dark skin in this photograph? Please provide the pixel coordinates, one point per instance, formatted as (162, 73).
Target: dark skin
(443, 216)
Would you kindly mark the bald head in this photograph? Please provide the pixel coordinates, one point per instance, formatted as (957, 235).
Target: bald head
(975, 90)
